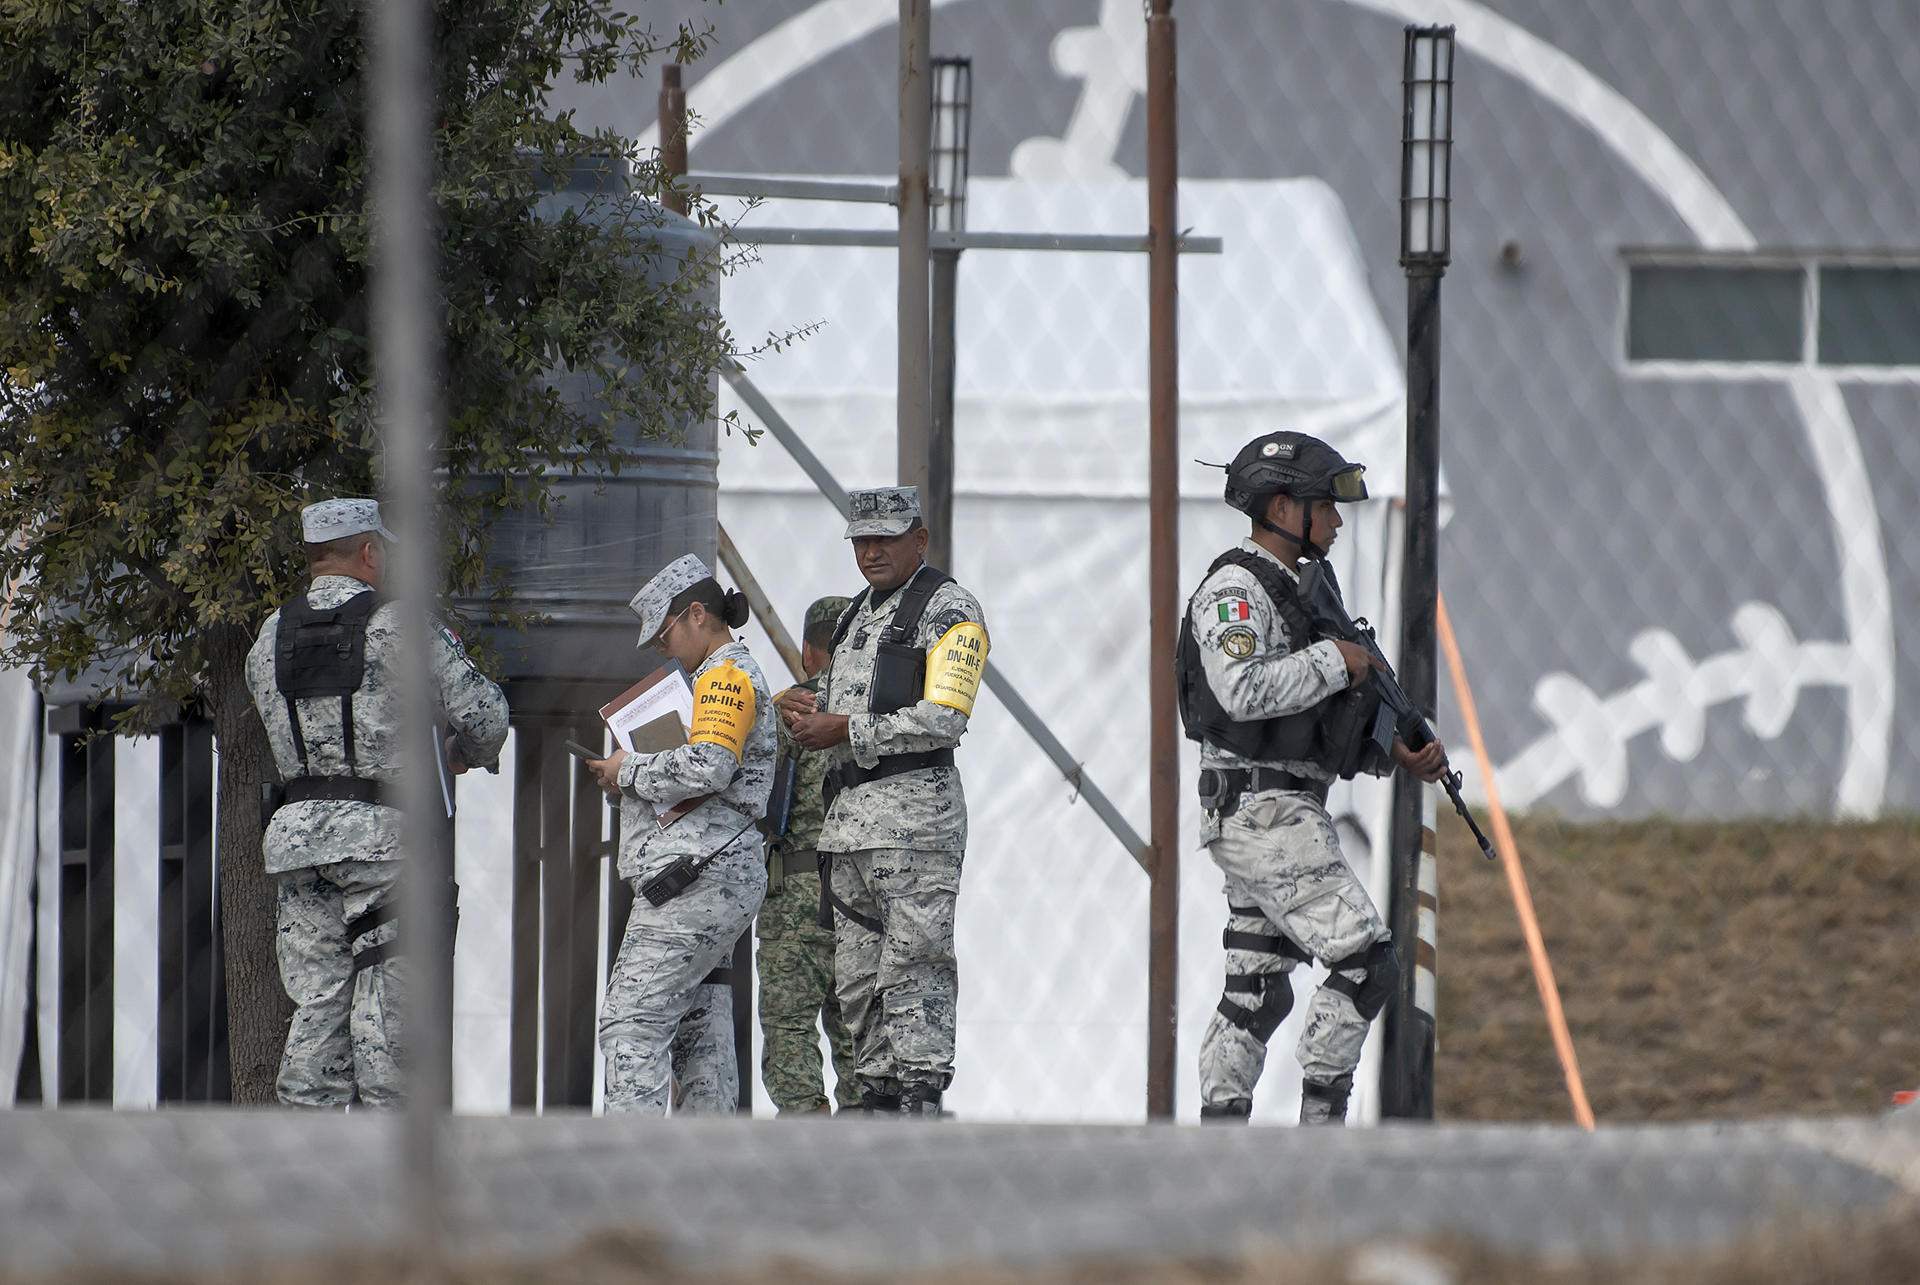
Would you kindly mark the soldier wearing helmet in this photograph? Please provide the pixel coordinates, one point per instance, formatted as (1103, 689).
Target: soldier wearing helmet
(1274, 708)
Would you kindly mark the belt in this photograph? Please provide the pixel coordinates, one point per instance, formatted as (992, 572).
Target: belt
(799, 861)
(1221, 788)
(342, 789)
(851, 774)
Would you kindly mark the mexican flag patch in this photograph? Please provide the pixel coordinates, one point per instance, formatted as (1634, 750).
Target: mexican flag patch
(1234, 609)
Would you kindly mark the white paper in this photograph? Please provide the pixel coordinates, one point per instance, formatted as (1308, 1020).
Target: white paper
(671, 695)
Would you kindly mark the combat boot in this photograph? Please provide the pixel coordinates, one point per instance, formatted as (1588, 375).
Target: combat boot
(875, 1103)
(1232, 1111)
(1325, 1103)
(920, 1101)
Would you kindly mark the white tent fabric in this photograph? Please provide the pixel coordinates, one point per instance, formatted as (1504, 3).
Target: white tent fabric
(1280, 331)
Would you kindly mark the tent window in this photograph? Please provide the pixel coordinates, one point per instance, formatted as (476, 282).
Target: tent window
(1869, 316)
(1715, 314)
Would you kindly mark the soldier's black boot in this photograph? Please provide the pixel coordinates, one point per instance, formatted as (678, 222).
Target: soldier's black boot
(875, 1103)
(1232, 1111)
(1325, 1103)
(920, 1101)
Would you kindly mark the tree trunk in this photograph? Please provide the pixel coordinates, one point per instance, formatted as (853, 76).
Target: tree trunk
(258, 1010)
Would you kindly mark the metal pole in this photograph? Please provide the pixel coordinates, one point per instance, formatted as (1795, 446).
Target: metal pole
(673, 134)
(937, 500)
(916, 124)
(1407, 1080)
(406, 353)
(1163, 524)
(762, 606)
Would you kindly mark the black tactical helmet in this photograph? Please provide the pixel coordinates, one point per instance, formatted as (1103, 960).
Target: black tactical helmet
(1291, 464)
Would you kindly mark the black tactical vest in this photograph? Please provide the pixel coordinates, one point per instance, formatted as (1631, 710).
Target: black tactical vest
(1288, 738)
(321, 652)
(899, 663)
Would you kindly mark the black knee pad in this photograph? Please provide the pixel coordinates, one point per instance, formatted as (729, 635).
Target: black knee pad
(1371, 993)
(1333, 1095)
(1275, 994)
(1233, 1111)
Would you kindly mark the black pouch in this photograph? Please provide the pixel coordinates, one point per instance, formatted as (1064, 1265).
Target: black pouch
(899, 676)
(1349, 732)
(830, 786)
(824, 916)
(1213, 790)
(671, 882)
(272, 795)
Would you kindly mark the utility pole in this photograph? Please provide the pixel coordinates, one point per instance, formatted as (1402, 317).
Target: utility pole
(1163, 531)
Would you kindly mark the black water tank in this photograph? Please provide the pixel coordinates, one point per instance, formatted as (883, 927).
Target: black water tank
(609, 531)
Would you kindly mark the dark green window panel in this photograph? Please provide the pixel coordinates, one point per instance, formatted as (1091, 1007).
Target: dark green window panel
(1715, 314)
(1869, 316)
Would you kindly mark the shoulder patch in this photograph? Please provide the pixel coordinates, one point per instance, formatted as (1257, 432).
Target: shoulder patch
(1238, 642)
(1233, 609)
(938, 623)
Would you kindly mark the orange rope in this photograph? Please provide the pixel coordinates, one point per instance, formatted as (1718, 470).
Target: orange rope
(1516, 878)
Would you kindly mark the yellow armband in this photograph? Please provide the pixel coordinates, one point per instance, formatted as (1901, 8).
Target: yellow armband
(723, 708)
(955, 666)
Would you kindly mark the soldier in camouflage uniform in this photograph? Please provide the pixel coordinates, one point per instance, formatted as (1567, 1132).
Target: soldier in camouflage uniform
(334, 844)
(1255, 690)
(908, 659)
(725, 770)
(796, 948)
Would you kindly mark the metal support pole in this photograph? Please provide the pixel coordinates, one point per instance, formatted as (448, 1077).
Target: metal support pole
(914, 407)
(936, 502)
(1406, 1089)
(406, 354)
(1163, 530)
(673, 134)
(762, 606)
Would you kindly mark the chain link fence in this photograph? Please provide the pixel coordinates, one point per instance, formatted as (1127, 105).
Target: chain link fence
(1681, 361)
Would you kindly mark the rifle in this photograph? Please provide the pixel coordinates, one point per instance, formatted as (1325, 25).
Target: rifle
(1322, 591)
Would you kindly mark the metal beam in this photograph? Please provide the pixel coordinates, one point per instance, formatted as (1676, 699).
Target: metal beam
(883, 239)
(997, 682)
(800, 189)
(762, 606)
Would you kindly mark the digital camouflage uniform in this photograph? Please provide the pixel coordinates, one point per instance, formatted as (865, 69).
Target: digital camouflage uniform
(1284, 872)
(706, 1078)
(796, 952)
(897, 845)
(336, 859)
(668, 950)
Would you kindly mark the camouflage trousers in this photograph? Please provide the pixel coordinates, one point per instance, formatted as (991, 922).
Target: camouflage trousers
(656, 982)
(797, 998)
(899, 987)
(344, 1044)
(1280, 855)
(706, 1078)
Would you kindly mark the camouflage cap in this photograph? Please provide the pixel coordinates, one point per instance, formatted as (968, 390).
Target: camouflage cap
(883, 511)
(338, 519)
(656, 596)
(825, 611)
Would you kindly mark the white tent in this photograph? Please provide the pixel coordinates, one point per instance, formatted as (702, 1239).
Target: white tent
(1051, 477)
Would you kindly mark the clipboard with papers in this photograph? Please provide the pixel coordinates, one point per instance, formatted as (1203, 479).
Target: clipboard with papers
(651, 717)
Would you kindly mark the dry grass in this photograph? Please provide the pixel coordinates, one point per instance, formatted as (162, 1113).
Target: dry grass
(1709, 971)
